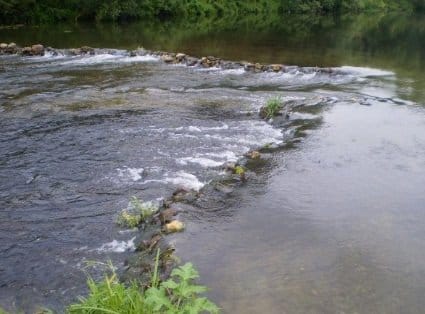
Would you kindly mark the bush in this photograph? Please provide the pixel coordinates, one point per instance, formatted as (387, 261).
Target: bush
(136, 213)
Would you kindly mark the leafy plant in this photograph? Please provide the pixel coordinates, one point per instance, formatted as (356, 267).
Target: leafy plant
(273, 106)
(136, 212)
(179, 294)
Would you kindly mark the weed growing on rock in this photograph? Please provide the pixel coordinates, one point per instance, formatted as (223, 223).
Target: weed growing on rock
(272, 107)
(136, 213)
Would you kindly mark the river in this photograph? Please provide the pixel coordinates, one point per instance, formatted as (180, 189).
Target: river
(332, 221)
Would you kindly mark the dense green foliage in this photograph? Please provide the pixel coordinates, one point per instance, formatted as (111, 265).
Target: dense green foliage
(44, 11)
(177, 295)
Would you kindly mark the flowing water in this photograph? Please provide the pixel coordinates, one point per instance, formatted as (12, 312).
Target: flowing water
(331, 222)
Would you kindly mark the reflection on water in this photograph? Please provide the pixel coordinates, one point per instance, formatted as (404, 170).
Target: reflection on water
(332, 222)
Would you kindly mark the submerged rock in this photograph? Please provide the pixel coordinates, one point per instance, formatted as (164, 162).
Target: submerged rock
(167, 215)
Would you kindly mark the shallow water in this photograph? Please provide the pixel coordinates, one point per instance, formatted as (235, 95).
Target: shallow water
(332, 222)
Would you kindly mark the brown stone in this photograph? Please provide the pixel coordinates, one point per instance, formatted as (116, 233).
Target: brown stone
(276, 67)
(167, 58)
(167, 215)
(180, 56)
(37, 50)
(26, 51)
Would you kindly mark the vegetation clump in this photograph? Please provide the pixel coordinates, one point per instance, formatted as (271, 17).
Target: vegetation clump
(272, 108)
(177, 295)
(136, 213)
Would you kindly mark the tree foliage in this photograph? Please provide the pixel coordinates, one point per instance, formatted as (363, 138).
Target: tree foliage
(45, 11)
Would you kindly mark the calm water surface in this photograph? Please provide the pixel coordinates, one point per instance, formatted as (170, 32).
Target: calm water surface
(332, 222)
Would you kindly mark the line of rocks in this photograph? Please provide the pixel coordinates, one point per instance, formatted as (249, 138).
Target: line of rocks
(166, 57)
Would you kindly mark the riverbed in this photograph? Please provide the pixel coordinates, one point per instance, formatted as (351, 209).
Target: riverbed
(331, 220)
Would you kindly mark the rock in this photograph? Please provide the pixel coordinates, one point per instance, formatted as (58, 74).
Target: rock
(276, 67)
(254, 154)
(37, 50)
(26, 51)
(191, 61)
(11, 48)
(133, 53)
(182, 195)
(74, 52)
(223, 188)
(167, 215)
(3, 46)
(230, 166)
(249, 67)
(180, 56)
(87, 49)
(167, 58)
(174, 226)
(149, 244)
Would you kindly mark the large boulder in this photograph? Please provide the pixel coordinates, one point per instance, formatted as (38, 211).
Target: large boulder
(37, 50)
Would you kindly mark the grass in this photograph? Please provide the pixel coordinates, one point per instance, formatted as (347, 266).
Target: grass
(177, 295)
(136, 213)
(273, 106)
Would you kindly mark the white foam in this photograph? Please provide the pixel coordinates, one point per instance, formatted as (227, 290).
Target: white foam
(226, 155)
(194, 129)
(204, 162)
(118, 246)
(134, 174)
(364, 71)
(108, 58)
(185, 180)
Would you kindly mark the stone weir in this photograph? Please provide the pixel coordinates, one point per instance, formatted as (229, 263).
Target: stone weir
(166, 57)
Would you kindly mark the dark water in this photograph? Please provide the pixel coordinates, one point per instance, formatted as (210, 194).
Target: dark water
(332, 223)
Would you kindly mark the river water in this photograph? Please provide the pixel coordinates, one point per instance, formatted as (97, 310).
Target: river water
(331, 222)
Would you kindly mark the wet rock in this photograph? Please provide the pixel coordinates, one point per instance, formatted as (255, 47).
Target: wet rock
(174, 226)
(74, 51)
(12, 48)
(3, 46)
(191, 61)
(37, 50)
(230, 166)
(168, 59)
(167, 215)
(253, 154)
(182, 195)
(276, 67)
(149, 244)
(87, 50)
(223, 188)
(180, 57)
(133, 53)
(26, 51)
(210, 61)
(249, 66)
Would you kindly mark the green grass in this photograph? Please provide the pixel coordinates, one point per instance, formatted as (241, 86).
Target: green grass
(177, 295)
(273, 106)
